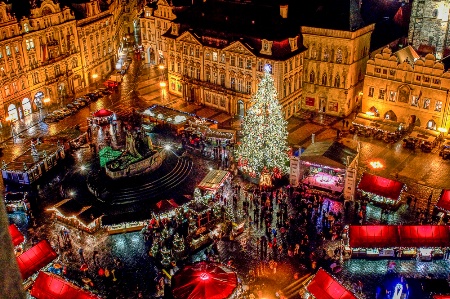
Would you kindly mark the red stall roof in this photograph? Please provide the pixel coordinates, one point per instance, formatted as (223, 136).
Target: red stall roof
(16, 235)
(103, 113)
(444, 200)
(323, 286)
(380, 186)
(369, 236)
(51, 286)
(441, 297)
(35, 258)
(424, 235)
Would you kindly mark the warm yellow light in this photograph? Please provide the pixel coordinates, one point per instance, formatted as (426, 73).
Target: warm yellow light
(376, 164)
(370, 113)
(162, 84)
(8, 118)
(161, 66)
(46, 100)
(95, 76)
(442, 130)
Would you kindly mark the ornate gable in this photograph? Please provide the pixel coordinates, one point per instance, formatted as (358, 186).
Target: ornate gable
(238, 48)
(188, 37)
(162, 3)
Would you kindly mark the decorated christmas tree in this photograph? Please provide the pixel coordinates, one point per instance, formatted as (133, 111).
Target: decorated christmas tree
(264, 144)
(178, 244)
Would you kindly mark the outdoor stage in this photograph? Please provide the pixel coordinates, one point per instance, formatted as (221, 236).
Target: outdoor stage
(325, 181)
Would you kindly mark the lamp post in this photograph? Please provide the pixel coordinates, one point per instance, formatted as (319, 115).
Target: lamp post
(95, 76)
(163, 85)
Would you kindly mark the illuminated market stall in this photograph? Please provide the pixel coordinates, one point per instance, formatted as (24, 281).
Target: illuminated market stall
(71, 212)
(32, 164)
(51, 286)
(379, 190)
(325, 286)
(34, 259)
(214, 180)
(330, 166)
(16, 236)
(425, 242)
(16, 201)
(204, 280)
(102, 117)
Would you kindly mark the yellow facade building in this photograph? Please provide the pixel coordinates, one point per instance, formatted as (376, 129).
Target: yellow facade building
(405, 88)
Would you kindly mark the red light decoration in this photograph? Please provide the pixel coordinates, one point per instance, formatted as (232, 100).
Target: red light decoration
(204, 276)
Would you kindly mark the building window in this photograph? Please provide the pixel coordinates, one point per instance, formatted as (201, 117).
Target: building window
(418, 78)
(233, 61)
(197, 52)
(207, 55)
(392, 95)
(7, 92)
(426, 79)
(14, 85)
(384, 71)
(241, 62)
(185, 50)
(222, 102)
(260, 66)
(435, 81)
(191, 51)
(233, 83)
(371, 91)
(214, 56)
(222, 79)
(339, 56)
(240, 85)
(415, 101)
(426, 103)
(381, 94)
(324, 79)
(8, 51)
(392, 72)
(249, 87)
(438, 106)
(222, 58)
(197, 73)
(312, 77)
(326, 55)
(377, 70)
(337, 81)
(249, 64)
(208, 76)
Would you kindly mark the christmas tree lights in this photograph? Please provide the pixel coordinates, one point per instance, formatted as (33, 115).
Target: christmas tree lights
(264, 144)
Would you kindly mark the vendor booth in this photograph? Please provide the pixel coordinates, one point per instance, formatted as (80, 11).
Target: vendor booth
(214, 180)
(51, 286)
(35, 258)
(426, 242)
(444, 201)
(441, 297)
(324, 286)
(16, 201)
(71, 212)
(370, 125)
(204, 280)
(330, 166)
(381, 190)
(102, 117)
(16, 235)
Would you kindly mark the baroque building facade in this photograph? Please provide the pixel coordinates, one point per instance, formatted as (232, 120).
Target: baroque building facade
(429, 27)
(54, 52)
(414, 92)
(334, 68)
(221, 69)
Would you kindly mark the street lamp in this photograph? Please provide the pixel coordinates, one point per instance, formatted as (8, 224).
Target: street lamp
(95, 76)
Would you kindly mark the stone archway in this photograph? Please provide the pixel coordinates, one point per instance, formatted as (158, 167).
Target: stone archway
(12, 113)
(390, 115)
(26, 106)
(374, 111)
(431, 124)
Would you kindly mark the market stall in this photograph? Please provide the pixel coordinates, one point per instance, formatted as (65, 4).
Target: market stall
(427, 242)
(381, 190)
(35, 258)
(325, 286)
(330, 166)
(16, 201)
(51, 286)
(102, 117)
(16, 236)
(444, 201)
(214, 180)
(123, 223)
(204, 280)
(71, 212)
(32, 164)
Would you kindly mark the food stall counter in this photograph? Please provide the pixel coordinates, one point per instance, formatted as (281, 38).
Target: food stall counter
(387, 252)
(373, 253)
(425, 254)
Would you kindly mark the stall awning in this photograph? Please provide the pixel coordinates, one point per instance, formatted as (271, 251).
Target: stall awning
(51, 286)
(444, 201)
(380, 186)
(16, 235)
(103, 113)
(441, 297)
(371, 236)
(424, 235)
(323, 286)
(35, 258)
(213, 180)
(329, 153)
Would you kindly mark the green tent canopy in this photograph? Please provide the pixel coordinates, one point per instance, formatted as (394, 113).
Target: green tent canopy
(107, 154)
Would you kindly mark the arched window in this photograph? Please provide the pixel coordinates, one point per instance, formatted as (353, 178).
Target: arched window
(337, 81)
(326, 55)
(312, 77)
(324, 79)
(339, 56)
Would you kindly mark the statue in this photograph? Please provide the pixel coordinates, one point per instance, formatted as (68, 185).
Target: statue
(131, 145)
(4, 166)
(34, 151)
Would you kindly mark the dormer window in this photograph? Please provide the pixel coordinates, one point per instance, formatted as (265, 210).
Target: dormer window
(175, 29)
(26, 27)
(266, 47)
(293, 43)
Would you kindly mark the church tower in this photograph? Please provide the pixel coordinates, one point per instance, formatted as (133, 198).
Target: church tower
(429, 27)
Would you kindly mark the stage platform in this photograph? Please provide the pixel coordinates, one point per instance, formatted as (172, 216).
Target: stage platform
(325, 181)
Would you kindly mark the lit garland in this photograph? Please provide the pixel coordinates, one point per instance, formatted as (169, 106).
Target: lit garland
(264, 144)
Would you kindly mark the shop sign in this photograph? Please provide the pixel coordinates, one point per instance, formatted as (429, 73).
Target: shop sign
(309, 101)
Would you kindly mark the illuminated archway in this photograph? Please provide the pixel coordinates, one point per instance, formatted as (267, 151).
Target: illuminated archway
(12, 113)
(26, 106)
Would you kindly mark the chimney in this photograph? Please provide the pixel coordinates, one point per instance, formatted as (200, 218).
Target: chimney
(284, 11)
